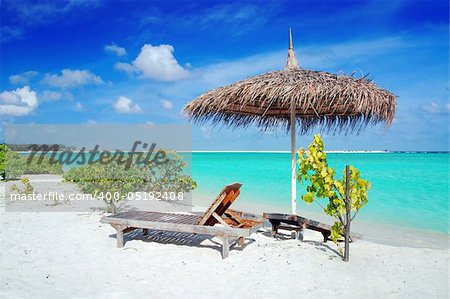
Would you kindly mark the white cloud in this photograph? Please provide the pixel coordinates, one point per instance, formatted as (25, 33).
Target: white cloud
(434, 108)
(126, 105)
(119, 51)
(19, 102)
(22, 78)
(156, 63)
(72, 78)
(79, 106)
(49, 95)
(125, 67)
(166, 104)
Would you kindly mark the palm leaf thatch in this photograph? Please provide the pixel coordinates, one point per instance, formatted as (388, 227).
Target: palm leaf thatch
(321, 99)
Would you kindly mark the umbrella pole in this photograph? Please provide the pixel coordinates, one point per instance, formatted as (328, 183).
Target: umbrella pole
(293, 163)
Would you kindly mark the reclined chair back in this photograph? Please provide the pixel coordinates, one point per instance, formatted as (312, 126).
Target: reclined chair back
(215, 211)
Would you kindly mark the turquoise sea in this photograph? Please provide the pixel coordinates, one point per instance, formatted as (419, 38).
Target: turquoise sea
(408, 189)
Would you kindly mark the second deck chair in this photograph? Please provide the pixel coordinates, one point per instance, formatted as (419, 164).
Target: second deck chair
(298, 223)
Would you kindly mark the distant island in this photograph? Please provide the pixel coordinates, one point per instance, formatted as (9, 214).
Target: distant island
(28, 147)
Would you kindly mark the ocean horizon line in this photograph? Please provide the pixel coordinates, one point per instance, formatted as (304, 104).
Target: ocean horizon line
(330, 151)
(284, 152)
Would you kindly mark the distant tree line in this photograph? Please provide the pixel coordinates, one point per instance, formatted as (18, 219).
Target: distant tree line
(29, 146)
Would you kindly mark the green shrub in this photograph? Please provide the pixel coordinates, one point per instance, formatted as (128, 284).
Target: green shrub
(113, 177)
(27, 188)
(2, 160)
(104, 181)
(14, 165)
(313, 168)
(46, 165)
(168, 177)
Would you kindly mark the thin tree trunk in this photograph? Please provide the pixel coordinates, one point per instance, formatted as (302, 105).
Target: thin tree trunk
(112, 208)
(293, 162)
(347, 214)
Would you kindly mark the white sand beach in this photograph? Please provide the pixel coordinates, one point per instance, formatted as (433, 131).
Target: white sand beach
(73, 255)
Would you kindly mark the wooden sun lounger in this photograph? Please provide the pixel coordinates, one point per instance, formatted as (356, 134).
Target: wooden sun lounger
(296, 223)
(234, 227)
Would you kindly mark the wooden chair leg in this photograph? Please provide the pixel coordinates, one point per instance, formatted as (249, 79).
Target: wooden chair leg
(119, 235)
(120, 239)
(274, 230)
(325, 236)
(299, 235)
(294, 234)
(225, 246)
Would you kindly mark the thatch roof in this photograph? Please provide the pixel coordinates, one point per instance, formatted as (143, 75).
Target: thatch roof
(330, 102)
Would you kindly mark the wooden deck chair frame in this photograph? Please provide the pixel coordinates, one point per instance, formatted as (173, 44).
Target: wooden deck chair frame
(234, 227)
(297, 223)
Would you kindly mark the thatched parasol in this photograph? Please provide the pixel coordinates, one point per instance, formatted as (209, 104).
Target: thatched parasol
(295, 95)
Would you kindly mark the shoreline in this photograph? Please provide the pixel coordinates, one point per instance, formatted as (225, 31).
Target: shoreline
(373, 231)
(376, 232)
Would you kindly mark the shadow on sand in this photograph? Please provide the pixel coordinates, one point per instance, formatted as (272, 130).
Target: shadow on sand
(178, 238)
(319, 245)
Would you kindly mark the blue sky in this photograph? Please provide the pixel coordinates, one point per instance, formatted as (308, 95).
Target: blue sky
(82, 61)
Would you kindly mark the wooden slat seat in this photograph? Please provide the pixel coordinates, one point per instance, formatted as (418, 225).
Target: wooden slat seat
(231, 228)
